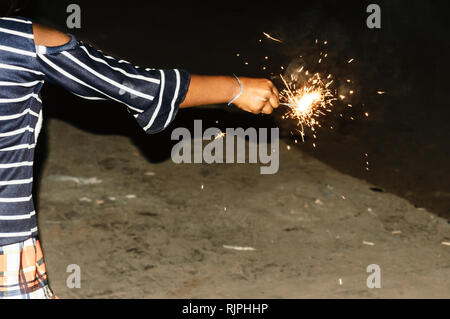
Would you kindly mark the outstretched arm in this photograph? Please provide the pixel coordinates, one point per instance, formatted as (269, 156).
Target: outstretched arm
(259, 95)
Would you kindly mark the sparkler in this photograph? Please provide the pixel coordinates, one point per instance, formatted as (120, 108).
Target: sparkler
(308, 102)
(308, 95)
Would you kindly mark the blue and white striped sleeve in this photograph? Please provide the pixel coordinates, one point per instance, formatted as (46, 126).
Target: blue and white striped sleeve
(151, 95)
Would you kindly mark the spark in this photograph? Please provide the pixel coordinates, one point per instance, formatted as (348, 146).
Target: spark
(351, 60)
(307, 103)
(367, 162)
(268, 36)
(381, 92)
(220, 135)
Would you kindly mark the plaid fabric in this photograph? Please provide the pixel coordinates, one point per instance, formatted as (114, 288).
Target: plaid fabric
(22, 271)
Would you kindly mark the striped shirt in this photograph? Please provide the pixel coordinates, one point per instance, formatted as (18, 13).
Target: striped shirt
(152, 96)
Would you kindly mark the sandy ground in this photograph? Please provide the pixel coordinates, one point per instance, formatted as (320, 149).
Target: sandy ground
(149, 230)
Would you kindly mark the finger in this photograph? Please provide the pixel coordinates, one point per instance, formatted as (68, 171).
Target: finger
(274, 101)
(263, 97)
(276, 92)
(262, 101)
(256, 109)
(267, 109)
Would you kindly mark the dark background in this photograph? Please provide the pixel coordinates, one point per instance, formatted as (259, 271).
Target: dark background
(406, 136)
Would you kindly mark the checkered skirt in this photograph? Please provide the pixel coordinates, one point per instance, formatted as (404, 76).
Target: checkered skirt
(23, 274)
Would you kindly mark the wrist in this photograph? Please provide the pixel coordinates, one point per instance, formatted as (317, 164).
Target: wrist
(237, 89)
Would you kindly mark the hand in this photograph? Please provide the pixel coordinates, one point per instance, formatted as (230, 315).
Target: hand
(259, 96)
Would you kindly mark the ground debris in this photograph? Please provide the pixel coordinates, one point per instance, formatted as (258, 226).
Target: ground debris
(238, 248)
(318, 202)
(77, 180)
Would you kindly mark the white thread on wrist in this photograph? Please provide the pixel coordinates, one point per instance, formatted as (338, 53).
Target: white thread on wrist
(240, 93)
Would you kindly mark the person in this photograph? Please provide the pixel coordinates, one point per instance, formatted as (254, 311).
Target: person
(32, 54)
